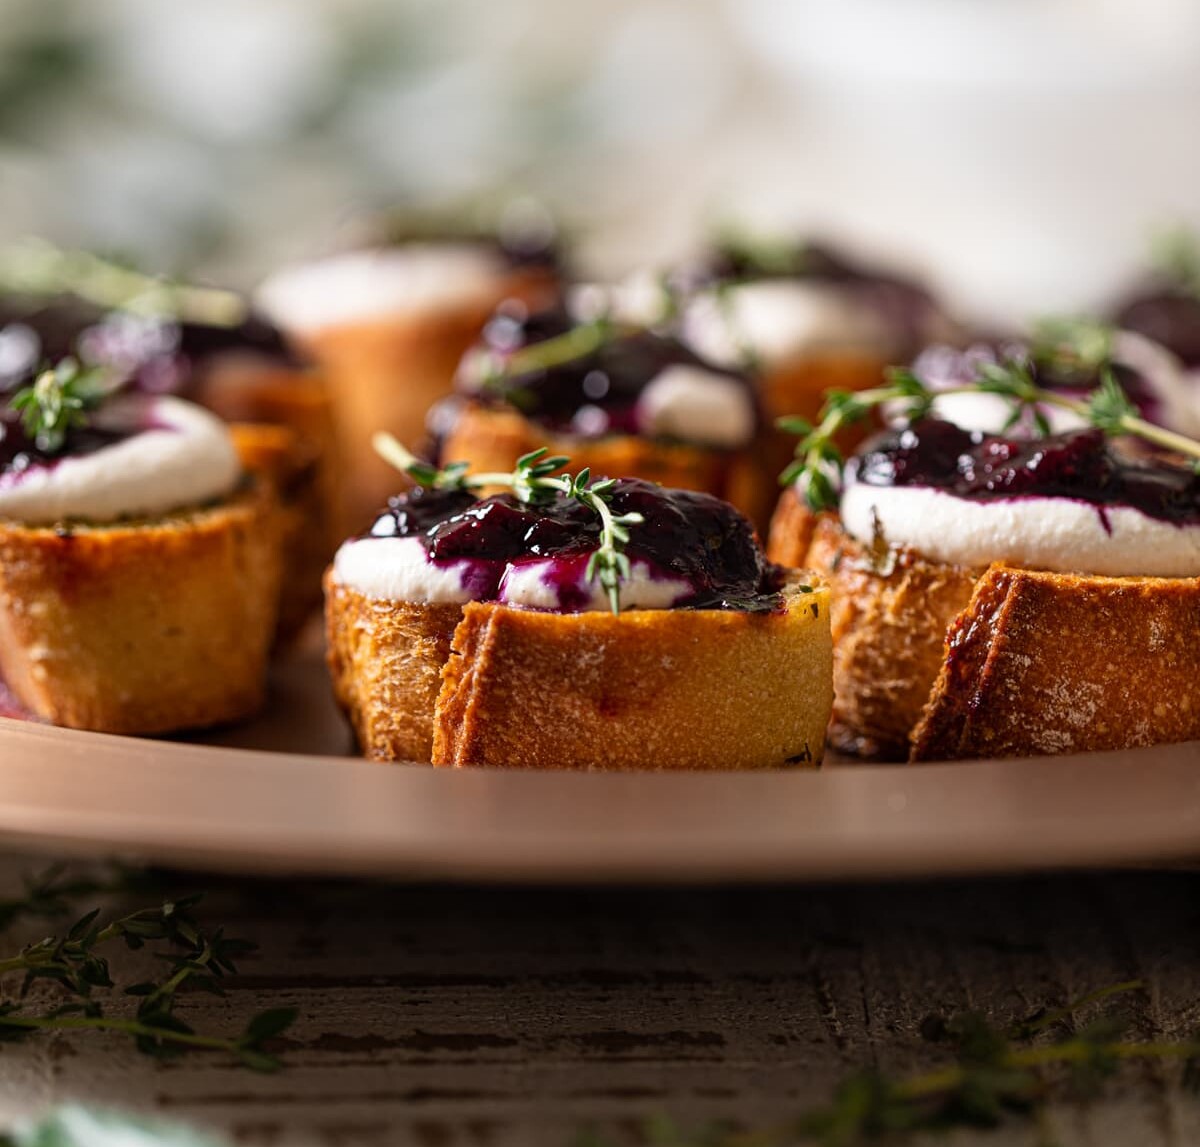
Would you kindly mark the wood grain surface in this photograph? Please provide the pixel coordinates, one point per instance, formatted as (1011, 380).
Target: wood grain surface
(439, 1016)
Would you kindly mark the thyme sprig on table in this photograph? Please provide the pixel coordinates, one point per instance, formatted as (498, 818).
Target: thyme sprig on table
(59, 400)
(77, 965)
(534, 478)
(996, 1072)
(817, 466)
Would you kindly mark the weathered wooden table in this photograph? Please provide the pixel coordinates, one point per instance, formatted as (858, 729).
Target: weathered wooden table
(447, 1015)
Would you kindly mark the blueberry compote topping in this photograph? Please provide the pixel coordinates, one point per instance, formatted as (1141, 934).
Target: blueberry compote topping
(685, 536)
(19, 452)
(161, 355)
(1169, 315)
(1081, 465)
(591, 395)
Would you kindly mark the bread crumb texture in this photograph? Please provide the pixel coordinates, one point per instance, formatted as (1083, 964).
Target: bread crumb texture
(145, 627)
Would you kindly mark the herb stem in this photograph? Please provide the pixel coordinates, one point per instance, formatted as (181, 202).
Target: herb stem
(818, 462)
(39, 268)
(1130, 423)
(573, 344)
(110, 1023)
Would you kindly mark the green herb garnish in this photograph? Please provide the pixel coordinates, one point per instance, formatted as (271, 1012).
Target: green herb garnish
(757, 255)
(995, 1074)
(534, 479)
(817, 467)
(59, 401)
(580, 341)
(36, 267)
(75, 963)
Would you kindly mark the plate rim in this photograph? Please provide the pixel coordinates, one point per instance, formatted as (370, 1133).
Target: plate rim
(534, 826)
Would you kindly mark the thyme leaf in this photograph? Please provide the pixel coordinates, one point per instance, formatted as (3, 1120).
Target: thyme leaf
(534, 478)
(59, 400)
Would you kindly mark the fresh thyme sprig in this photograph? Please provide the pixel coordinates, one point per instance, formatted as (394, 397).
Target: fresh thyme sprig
(996, 1072)
(535, 477)
(575, 343)
(817, 466)
(37, 267)
(59, 400)
(76, 964)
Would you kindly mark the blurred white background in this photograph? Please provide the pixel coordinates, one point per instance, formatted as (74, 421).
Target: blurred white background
(1021, 150)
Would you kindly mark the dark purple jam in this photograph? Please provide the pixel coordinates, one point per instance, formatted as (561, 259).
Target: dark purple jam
(685, 536)
(1081, 465)
(19, 452)
(1169, 315)
(593, 394)
(160, 355)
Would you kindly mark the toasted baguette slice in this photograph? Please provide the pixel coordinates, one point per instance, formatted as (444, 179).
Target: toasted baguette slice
(385, 374)
(889, 622)
(143, 627)
(939, 662)
(486, 684)
(493, 439)
(1059, 663)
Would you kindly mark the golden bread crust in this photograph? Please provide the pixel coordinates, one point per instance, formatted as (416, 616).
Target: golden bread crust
(144, 627)
(939, 662)
(493, 440)
(652, 689)
(385, 374)
(386, 659)
(275, 455)
(889, 622)
(1061, 663)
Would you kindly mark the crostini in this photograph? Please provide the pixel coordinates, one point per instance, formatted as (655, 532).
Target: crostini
(485, 631)
(389, 324)
(203, 345)
(1007, 596)
(139, 566)
(616, 399)
(806, 318)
